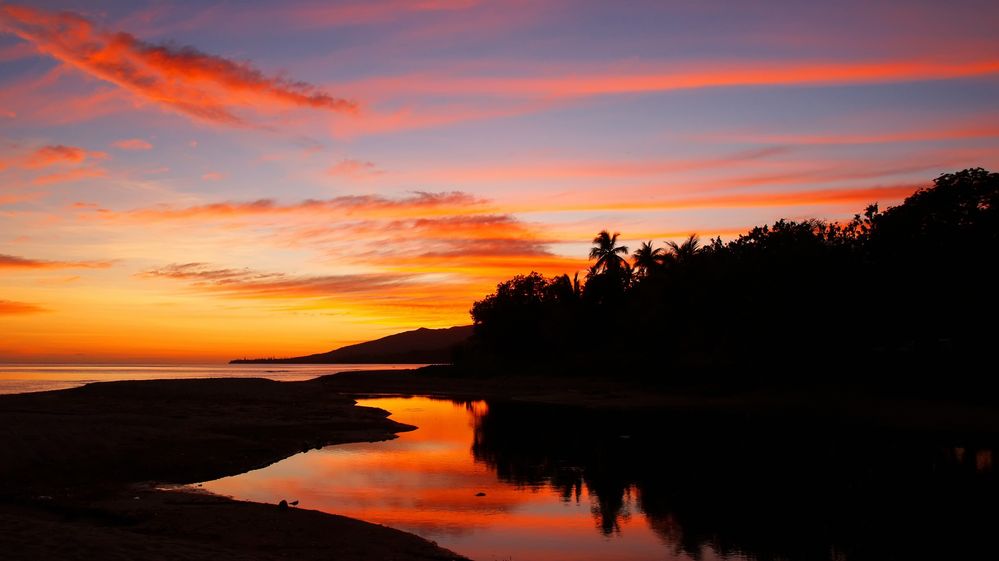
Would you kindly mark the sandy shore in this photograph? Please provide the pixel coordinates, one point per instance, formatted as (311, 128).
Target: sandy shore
(79, 469)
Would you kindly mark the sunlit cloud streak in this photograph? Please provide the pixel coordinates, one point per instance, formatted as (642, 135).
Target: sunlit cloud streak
(16, 198)
(462, 204)
(213, 176)
(70, 176)
(132, 144)
(13, 308)
(256, 284)
(394, 101)
(10, 262)
(51, 155)
(709, 74)
(736, 200)
(983, 127)
(563, 169)
(57, 163)
(197, 84)
(419, 203)
(353, 168)
(57, 154)
(399, 295)
(479, 245)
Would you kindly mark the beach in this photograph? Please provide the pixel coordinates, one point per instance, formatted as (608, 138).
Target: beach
(87, 471)
(112, 468)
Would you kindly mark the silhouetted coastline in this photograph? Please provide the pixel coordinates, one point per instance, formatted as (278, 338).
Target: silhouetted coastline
(895, 301)
(83, 472)
(419, 346)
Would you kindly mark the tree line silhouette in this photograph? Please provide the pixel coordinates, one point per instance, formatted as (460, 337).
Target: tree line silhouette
(908, 292)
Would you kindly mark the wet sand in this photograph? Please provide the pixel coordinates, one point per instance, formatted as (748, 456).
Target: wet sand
(81, 468)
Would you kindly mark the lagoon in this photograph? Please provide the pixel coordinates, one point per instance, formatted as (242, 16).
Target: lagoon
(514, 481)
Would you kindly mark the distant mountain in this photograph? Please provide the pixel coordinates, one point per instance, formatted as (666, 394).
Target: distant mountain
(431, 346)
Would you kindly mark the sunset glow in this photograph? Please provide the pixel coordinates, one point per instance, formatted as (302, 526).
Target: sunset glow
(184, 182)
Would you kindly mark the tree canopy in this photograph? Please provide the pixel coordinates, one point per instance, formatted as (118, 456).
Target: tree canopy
(909, 287)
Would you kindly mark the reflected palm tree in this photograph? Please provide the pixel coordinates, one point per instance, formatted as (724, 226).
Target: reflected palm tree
(647, 258)
(608, 254)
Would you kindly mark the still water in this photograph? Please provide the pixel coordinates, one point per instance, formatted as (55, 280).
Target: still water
(21, 378)
(505, 481)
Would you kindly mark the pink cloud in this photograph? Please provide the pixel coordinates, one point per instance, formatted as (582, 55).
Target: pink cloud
(353, 168)
(78, 174)
(55, 154)
(418, 204)
(132, 144)
(197, 84)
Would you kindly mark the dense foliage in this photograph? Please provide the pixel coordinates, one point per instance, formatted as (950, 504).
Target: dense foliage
(903, 290)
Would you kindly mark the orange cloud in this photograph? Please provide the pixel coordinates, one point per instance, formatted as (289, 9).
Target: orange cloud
(15, 262)
(132, 144)
(486, 235)
(79, 161)
(12, 308)
(457, 204)
(399, 297)
(430, 266)
(20, 198)
(353, 168)
(203, 86)
(256, 284)
(55, 154)
(739, 200)
(475, 248)
(376, 121)
(705, 75)
(213, 176)
(524, 171)
(984, 126)
(505, 96)
(420, 203)
(71, 175)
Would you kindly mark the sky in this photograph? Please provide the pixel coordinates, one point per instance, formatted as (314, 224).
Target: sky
(199, 181)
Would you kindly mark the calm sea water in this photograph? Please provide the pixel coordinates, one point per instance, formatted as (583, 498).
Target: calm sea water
(20, 378)
(520, 482)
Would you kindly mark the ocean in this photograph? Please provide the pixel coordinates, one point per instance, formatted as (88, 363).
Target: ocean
(21, 378)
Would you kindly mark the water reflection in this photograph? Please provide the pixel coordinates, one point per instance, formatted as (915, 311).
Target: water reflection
(760, 490)
(565, 484)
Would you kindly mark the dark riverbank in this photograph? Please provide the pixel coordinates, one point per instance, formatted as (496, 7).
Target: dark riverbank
(824, 404)
(75, 461)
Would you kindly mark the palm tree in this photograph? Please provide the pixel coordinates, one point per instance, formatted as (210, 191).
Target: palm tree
(683, 252)
(608, 254)
(647, 258)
